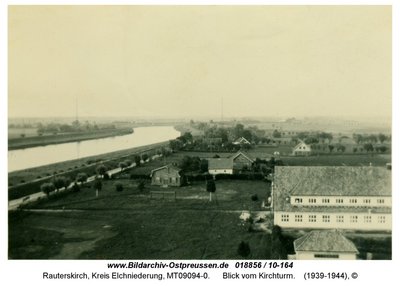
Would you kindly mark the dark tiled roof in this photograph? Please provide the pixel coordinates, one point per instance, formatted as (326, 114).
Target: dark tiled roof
(329, 181)
(220, 163)
(324, 241)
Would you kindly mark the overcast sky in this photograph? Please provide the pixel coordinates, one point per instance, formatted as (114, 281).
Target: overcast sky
(181, 61)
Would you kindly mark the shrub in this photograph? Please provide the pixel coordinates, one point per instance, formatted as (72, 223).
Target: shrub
(254, 197)
(81, 177)
(47, 188)
(119, 187)
(243, 249)
(76, 188)
(106, 176)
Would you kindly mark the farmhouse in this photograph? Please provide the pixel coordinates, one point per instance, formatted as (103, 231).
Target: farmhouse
(302, 149)
(241, 141)
(342, 197)
(167, 176)
(241, 161)
(220, 166)
(328, 244)
(235, 163)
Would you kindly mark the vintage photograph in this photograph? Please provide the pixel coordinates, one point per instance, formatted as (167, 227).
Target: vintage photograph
(200, 132)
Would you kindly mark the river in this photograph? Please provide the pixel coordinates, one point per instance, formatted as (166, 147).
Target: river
(44, 155)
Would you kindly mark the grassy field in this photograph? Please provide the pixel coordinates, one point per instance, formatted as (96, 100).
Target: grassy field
(16, 132)
(131, 225)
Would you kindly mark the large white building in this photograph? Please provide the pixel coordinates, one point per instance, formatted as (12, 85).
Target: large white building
(332, 198)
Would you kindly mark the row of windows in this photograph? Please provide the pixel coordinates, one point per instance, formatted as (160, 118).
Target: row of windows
(170, 180)
(339, 218)
(338, 201)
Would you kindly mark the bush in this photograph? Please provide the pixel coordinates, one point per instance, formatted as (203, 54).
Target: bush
(106, 176)
(76, 188)
(243, 249)
(254, 197)
(119, 187)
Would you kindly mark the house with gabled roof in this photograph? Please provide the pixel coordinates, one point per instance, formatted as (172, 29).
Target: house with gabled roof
(302, 149)
(329, 197)
(234, 163)
(220, 166)
(241, 160)
(167, 175)
(325, 244)
(241, 141)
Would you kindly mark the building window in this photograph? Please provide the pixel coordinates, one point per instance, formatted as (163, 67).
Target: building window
(339, 201)
(326, 256)
(353, 201)
(353, 219)
(298, 218)
(381, 219)
(367, 219)
(326, 218)
(312, 218)
(298, 200)
(367, 201)
(325, 201)
(339, 219)
(285, 217)
(380, 201)
(312, 201)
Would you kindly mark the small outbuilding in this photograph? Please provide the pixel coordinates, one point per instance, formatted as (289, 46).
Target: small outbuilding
(324, 244)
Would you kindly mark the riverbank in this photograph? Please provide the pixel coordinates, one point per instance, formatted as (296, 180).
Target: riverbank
(28, 142)
(28, 181)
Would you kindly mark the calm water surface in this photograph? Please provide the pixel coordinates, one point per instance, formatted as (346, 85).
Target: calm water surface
(44, 155)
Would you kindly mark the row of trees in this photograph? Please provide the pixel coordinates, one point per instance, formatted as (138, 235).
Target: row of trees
(75, 126)
(371, 138)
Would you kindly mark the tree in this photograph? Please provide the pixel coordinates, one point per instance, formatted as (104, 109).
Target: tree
(81, 177)
(97, 185)
(204, 165)
(137, 160)
(382, 137)
(331, 147)
(119, 187)
(122, 165)
(368, 147)
(75, 187)
(61, 182)
(276, 134)
(47, 188)
(145, 157)
(341, 148)
(382, 149)
(128, 163)
(210, 186)
(101, 170)
(243, 249)
(175, 145)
